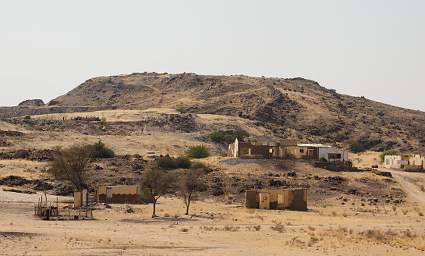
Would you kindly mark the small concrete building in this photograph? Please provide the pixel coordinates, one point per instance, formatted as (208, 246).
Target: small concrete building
(261, 150)
(317, 152)
(253, 150)
(289, 198)
(122, 194)
(411, 162)
(396, 161)
(416, 160)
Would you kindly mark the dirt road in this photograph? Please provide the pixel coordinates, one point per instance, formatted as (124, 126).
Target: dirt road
(412, 183)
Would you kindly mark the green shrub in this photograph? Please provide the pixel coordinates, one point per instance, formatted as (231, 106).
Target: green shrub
(183, 162)
(199, 151)
(166, 162)
(363, 144)
(100, 150)
(228, 136)
(200, 167)
(217, 136)
(181, 110)
(387, 153)
(170, 163)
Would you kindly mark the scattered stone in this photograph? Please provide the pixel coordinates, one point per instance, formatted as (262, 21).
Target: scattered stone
(382, 173)
(292, 174)
(129, 209)
(14, 181)
(11, 133)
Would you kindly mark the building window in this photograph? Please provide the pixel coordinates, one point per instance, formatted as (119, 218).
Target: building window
(301, 150)
(334, 156)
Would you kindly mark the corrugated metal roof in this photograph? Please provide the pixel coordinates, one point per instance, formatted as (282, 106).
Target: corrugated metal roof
(314, 145)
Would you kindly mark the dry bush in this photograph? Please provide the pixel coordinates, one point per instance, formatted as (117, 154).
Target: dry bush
(311, 228)
(184, 230)
(405, 212)
(374, 235)
(296, 242)
(279, 227)
(257, 227)
(157, 183)
(409, 233)
(312, 241)
(190, 183)
(71, 165)
(207, 228)
(231, 228)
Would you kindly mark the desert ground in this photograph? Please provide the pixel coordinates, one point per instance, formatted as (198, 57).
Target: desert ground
(330, 227)
(350, 213)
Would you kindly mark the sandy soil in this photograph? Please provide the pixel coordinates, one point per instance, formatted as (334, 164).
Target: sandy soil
(330, 227)
(412, 183)
(214, 229)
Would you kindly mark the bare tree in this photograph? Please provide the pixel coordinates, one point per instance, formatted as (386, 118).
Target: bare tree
(71, 165)
(156, 182)
(230, 188)
(190, 183)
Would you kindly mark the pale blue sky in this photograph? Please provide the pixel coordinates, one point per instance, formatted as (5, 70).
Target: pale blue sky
(372, 48)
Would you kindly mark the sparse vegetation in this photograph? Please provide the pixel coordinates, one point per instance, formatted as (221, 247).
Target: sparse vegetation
(279, 227)
(170, 163)
(200, 167)
(100, 150)
(71, 165)
(190, 183)
(199, 151)
(183, 162)
(363, 144)
(87, 118)
(217, 136)
(181, 110)
(227, 136)
(387, 152)
(157, 183)
(231, 228)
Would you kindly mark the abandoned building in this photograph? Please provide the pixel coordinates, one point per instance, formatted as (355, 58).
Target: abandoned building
(412, 161)
(416, 160)
(81, 198)
(122, 194)
(317, 152)
(254, 149)
(279, 199)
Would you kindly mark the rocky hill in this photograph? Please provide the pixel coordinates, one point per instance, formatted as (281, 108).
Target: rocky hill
(293, 108)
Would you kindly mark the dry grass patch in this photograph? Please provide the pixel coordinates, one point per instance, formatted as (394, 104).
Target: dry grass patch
(279, 227)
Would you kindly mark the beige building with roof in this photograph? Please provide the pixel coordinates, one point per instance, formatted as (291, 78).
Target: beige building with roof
(255, 149)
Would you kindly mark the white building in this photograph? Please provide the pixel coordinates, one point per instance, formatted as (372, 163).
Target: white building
(395, 161)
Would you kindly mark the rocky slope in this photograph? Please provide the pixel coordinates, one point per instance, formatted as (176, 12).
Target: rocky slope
(288, 108)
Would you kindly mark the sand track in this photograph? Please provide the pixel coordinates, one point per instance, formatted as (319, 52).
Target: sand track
(410, 182)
